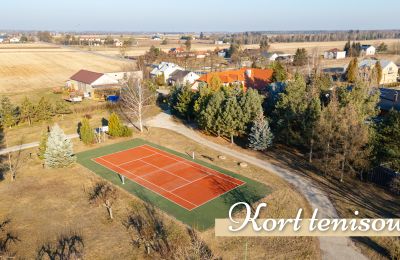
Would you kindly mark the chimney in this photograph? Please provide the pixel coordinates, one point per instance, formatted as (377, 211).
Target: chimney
(396, 97)
(248, 73)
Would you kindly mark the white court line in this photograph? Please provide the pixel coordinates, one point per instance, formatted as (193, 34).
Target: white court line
(183, 161)
(151, 184)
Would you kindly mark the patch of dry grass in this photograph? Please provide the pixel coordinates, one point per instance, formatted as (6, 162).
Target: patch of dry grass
(43, 202)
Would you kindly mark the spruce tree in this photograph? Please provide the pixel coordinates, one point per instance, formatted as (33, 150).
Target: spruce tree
(231, 118)
(209, 117)
(279, 74)
(378, 72)
(260, 136)
(59, 152)
(86, 132)
(183, 102)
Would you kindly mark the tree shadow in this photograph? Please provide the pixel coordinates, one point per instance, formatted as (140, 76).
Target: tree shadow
(3, 167)
(67, 246)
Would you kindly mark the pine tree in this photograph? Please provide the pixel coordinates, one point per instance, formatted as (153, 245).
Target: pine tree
(183, 105)
(188, 43)
(215, 82)
(300, 58)
(86, 132)
(8, 113)
(27, 110)
(279, 74)
(231, 118)
(352, 71)
(251, 106)
(44, 110)
(43, 145)
(260, 136)
(209, 117)
(59, 152)
(347, 48)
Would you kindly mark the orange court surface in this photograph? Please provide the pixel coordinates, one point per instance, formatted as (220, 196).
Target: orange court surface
(186, 183)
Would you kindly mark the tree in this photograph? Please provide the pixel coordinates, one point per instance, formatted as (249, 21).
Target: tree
(382, 48)
(264, 45)
(27, 110)
(104, 194)
(201, 36)
(352, 71)
(386, 144)
(44, 110)
(67, 246)
(290, 111)
(164, 42)
(188, 44)
(59, 152)
(347, 48)
(231, 118)
(136, 98)
(279, 72)
(116, 128)
(43, 145)
(86, 132)
(15, 161)
(8, 113)
(62, 108)
(300, 58)
(215, 82)
(149, 231)
(260, 136)
(44, 36)
(377, 72)
(183, 106)
(209, 117)
(7, 237)
(251, 106)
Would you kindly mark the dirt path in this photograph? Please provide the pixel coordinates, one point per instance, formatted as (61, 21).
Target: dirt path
(331, 247)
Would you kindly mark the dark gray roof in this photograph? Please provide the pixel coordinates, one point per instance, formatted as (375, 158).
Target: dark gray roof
(178, 75)
(388, 98)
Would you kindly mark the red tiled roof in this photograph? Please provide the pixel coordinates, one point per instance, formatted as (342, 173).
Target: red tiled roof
(258, 79)
(87, 77)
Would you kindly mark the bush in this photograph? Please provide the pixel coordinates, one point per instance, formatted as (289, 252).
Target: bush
(86, 132)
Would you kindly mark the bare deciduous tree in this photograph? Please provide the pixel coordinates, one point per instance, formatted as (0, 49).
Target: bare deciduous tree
(68, 246)
(14, 162)
(135, 99)
(103, 194)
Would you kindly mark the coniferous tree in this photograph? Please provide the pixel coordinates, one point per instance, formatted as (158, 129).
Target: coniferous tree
(27, 110)
(183, 106)
(279, 74)
(352, 71)
(114, 126)
(44, 110)
(8, 113)
(378, 72)
(300, 58)
(62, 108)
(86, 132)
(209, 117)
(231, 118)
(260, 136)
(59, 152)
(215, 82)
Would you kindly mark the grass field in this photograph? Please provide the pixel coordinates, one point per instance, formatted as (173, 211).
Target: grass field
(202, 217)
(33, 67)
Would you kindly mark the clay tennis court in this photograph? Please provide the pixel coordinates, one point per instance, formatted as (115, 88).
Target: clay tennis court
(181, 181)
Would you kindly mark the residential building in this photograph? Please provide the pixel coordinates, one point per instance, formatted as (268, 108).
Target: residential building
(96, 85)
(334, 54)
(14, 40)
(166, 69)
(390, 70)
(269, 56)
(176, 50)
(183, 77)
(247, 77)
(368, 50)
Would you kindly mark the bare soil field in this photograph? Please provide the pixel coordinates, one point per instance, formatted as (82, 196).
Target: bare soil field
(63, 196)
(29, 69)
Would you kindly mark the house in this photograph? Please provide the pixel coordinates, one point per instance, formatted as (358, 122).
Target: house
(248, 77)
(96, 85)
(218, 42)
(14, 40)
(166, 69)
(269, 56)
(223, 53)
(334, 54)
(118, 43)
(1, 39)
(389, 99)
(368, 50)
(389, 70)
(183, 77)
(156, 38)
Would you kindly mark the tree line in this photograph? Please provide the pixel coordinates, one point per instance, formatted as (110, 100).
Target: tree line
(29, 112)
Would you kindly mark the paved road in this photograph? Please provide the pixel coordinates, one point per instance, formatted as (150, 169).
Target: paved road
(331, 247)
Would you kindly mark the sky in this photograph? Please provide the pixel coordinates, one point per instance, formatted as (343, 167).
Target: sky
(196, 16)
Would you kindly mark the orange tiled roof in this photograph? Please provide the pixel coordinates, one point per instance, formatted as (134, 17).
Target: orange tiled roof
(258, 79)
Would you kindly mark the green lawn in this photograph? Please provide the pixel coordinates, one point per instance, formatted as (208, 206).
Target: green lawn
(202, 217)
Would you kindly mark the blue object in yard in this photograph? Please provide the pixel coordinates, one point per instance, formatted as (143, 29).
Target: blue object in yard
(113, 99)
